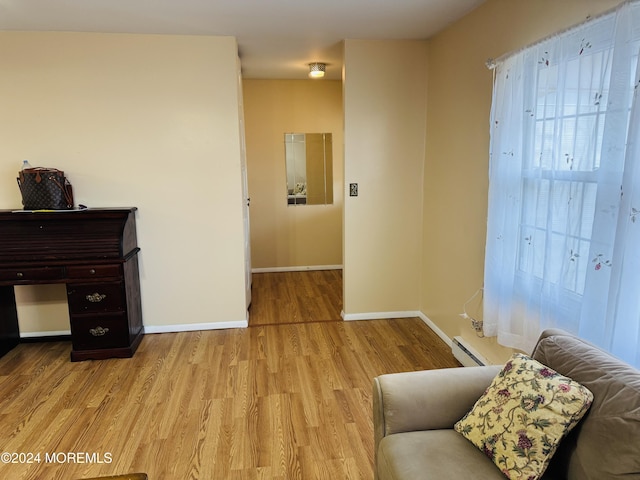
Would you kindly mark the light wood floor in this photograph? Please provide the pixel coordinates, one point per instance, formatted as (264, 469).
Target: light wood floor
(295, 297)
(279, 402)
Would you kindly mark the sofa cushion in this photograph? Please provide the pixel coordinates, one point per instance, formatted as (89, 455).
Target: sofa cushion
(432, 455)
(524, 414)
(606, 444)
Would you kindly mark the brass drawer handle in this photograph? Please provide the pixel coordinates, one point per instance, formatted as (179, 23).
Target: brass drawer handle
(92, 271)
(19, 274)
(98, 331)
(96, 297)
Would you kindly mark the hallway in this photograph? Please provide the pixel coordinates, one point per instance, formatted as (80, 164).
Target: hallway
(296, 297)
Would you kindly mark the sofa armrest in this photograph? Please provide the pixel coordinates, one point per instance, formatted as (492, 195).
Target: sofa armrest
(426, 400)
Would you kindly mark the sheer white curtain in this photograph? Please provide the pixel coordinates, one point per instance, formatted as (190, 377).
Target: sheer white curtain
(563, 232)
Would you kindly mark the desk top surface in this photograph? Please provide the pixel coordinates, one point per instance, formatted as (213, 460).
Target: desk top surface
(74, 211)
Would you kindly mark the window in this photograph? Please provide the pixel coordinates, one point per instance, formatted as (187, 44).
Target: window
(559, 178)
(562, 217)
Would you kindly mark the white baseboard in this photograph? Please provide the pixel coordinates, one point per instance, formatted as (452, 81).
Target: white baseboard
(466, 354)
(187, 327)
(405, 314)
(191, 327)
(445, 338)
(378, 315)
(296, 269)
(48, 333)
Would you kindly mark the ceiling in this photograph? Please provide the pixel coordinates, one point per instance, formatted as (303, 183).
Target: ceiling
(276, 38)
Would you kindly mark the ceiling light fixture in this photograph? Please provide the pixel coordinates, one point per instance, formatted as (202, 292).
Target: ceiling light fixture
(317, 69)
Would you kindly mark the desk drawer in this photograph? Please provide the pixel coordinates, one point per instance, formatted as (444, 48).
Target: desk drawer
(97, 271)
(32, 274)
(96, 297)
(100, 331)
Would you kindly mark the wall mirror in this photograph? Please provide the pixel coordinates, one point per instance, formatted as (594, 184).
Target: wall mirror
(309, 162)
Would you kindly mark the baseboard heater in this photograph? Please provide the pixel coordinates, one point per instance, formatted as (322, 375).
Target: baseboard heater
(465, 354)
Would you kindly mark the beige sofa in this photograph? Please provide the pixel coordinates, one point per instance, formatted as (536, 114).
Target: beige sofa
(414, 414)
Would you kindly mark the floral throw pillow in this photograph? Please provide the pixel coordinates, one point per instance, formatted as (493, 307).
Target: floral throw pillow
(521, 418)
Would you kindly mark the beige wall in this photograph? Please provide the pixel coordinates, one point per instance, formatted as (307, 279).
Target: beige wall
(136, 120)
(152, 121)
(284, 236)
(385, 85)
(456, 167)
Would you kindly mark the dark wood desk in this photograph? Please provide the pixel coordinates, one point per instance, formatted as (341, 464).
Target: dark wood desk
(95, 253)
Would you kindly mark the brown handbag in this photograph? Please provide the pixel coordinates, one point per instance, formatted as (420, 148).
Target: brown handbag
(45, 189)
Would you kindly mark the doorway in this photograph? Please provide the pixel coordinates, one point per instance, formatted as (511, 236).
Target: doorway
(296, 297)
(285, 236)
